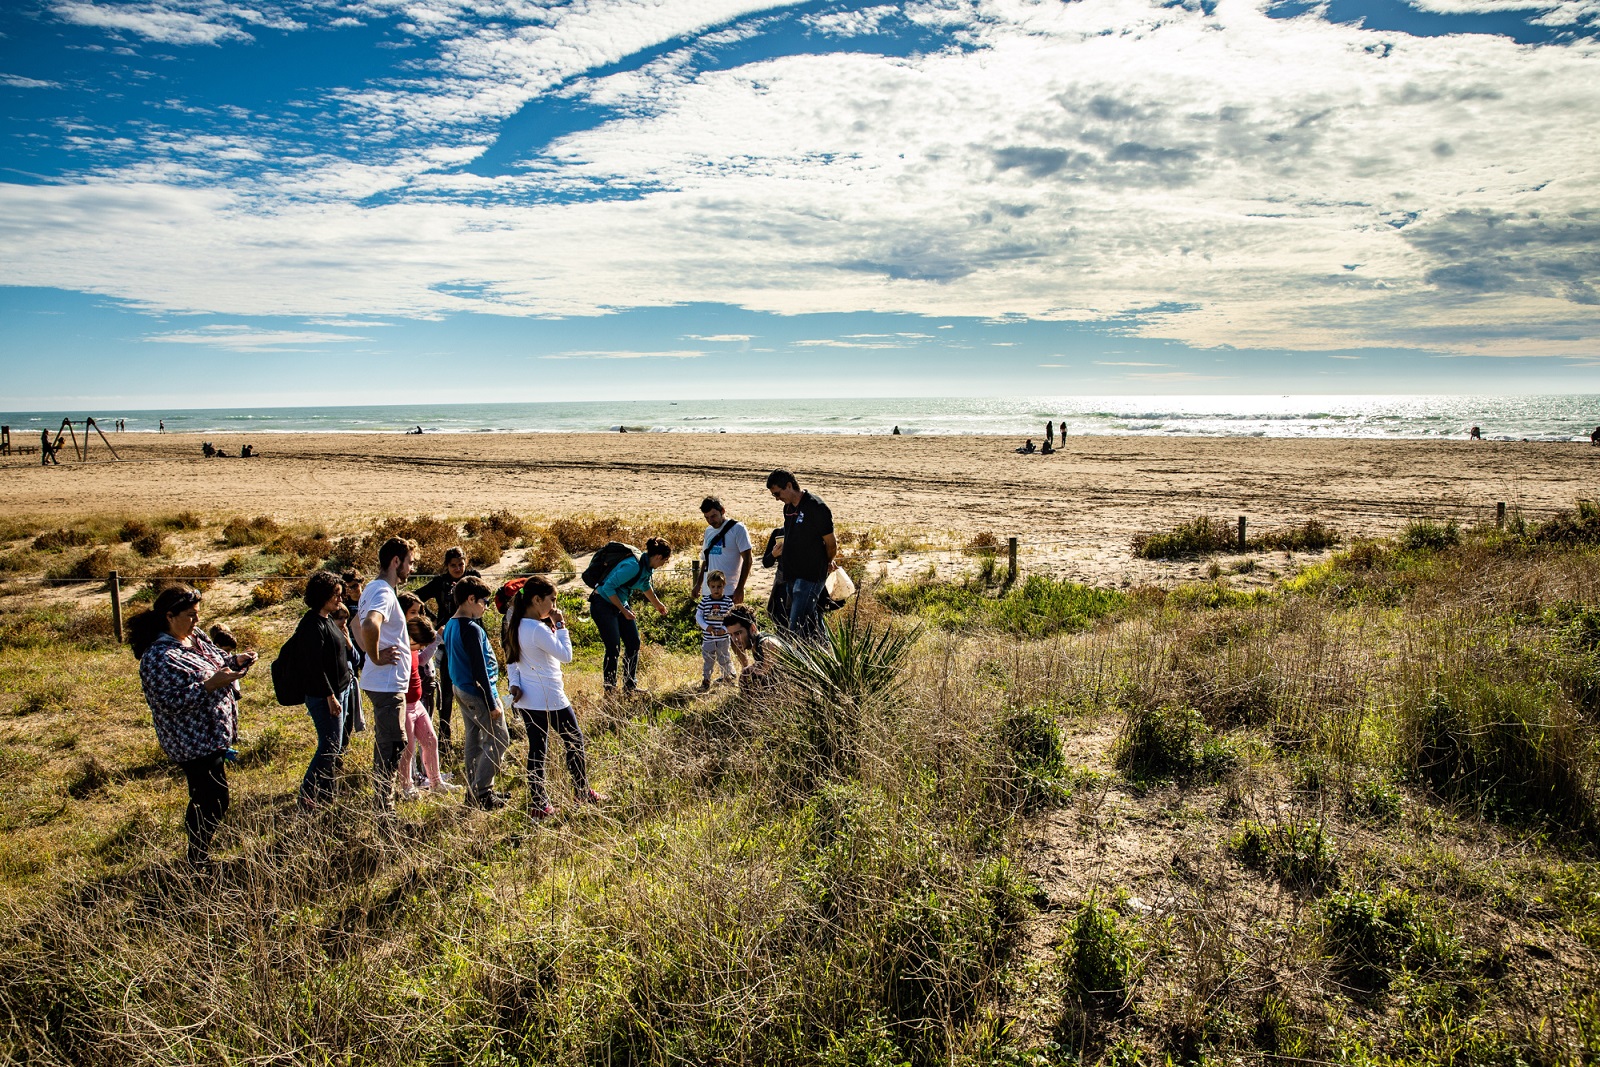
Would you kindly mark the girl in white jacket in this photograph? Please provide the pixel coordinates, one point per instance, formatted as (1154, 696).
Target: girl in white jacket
(537, 644)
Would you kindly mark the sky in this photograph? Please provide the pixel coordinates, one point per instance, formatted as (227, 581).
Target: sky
(270, 202)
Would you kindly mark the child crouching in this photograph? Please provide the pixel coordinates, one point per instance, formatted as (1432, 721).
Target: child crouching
(709, 616)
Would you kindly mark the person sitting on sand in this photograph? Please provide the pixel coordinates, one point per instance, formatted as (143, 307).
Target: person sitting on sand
(207, 449)
(1049, 448)
(765, 650)
(1027, 449)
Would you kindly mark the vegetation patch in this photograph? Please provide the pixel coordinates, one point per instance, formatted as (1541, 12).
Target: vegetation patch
(1371, 937)
(1170, 741)
(1204, 535)
(1038, 607)
(1298, 853)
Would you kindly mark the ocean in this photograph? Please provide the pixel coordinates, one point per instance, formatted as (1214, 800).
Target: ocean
(1534, 418)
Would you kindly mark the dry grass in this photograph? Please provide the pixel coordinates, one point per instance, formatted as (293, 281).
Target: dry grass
(924, 856)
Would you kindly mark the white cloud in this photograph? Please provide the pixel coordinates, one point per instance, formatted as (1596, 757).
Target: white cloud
(829, 342)
(721, 338)
(249, 339)
(17, 81)
(1149, 167)
(625, 355)
(1126, 363)
(174, 23)
(849, 23)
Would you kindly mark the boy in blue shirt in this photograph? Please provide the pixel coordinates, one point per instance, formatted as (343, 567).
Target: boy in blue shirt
(474, 675)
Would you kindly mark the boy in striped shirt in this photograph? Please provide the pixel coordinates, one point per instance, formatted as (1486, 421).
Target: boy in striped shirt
(714, 646)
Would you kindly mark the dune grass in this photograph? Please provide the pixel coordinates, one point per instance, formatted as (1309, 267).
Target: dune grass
(1350, 820)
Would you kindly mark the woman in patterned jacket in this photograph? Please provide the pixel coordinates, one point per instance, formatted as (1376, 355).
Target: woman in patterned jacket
(190, 685)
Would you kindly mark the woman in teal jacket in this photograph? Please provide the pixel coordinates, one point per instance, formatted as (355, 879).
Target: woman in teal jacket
(608, 605)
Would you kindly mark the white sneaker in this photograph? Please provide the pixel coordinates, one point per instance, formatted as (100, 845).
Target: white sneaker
(444, 787)
(410, 794)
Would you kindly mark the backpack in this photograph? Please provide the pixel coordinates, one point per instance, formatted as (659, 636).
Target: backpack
(288, 686)
(605, 561)
(506, 593)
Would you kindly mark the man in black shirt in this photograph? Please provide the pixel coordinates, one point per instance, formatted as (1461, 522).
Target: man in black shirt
(808, 550)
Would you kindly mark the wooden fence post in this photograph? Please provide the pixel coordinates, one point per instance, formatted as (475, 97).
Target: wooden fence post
(1011, 559)
(1500, 515)
(1243, 542)
(115, 583)
(694, 569)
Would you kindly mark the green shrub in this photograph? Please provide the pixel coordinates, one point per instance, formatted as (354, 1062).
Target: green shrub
(1299, 854)
(269, 592)
(55, 540)
(1580, 527)
(1036, 762)
(97, 563)
(1038, 607)
(486, 549)
(1193, 538)
(1507, 749)
(150, 544)
(1374, 801)
(503, 522)
(237, 533)
(1308, 536)
(134, 529)
(1429, 536)
(1170, 741)
(1371, 937)
(1097, 960)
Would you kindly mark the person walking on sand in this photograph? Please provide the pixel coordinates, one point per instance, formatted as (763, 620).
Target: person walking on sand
(537, 644)
(809, 549)
(191, 687)
(47, 451)
(387, 673)
(1049, 432)
(475, 674)
(323, 658)
(614, 618)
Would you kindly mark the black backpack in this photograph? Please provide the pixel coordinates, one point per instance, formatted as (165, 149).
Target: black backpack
(605, 561)
(288, 684)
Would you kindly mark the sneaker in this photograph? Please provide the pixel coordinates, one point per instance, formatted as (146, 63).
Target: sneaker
(541, 811)
(486, 802)
(638, 694)
(705, 685)
(588, 796)
(410, 794)
(447, 778)
(443, 786)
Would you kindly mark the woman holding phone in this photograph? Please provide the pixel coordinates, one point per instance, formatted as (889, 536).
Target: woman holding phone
(192, 688)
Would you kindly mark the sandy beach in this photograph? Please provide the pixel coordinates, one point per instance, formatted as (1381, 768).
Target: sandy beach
(1073, 512)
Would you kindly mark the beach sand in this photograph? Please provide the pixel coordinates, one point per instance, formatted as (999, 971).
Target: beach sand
(1073, 512)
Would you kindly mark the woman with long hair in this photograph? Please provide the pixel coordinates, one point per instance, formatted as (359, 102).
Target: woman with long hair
(537, 644)
(324, 653)
(191, 686)
(609, 606)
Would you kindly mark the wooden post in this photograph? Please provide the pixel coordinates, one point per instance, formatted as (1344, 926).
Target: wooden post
(1011, 559)
(1243, 541)
(694, 570)
(1500, 515)
(116, 604)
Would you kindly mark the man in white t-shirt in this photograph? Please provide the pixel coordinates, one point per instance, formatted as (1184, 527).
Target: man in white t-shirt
(725, 548)
(387, 672)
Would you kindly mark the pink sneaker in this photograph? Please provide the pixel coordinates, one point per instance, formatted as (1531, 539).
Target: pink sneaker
(589, 796)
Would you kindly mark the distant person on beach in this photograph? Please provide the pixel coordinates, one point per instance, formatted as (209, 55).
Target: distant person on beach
(162, 427)
(475, 674)
(809, 548)
(614, 618)
(441, 591)
(189, 684)
(1049, 448)
(764, 650)
(537, 644)
(1049, 432)
(1594, 438)
(896, 431)
(725, 547)
(324, 668)
(1027, 449)
(47, 451)
(1063, 425)
(386, 674)
(1475, 434)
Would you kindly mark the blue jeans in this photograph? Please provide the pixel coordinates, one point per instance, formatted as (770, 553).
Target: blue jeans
(318, 782)
(805, 597)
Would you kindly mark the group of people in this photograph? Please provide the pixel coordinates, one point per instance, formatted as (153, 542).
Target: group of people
(210, 451)
(418, 655)
(1049, 446)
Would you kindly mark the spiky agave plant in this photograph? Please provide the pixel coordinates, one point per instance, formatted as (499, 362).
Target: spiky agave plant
(831, 682)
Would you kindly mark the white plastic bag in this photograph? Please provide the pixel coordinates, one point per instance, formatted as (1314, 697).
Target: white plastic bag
(838, 585)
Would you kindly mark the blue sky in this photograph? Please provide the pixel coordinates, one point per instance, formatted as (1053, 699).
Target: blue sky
(217, 203)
